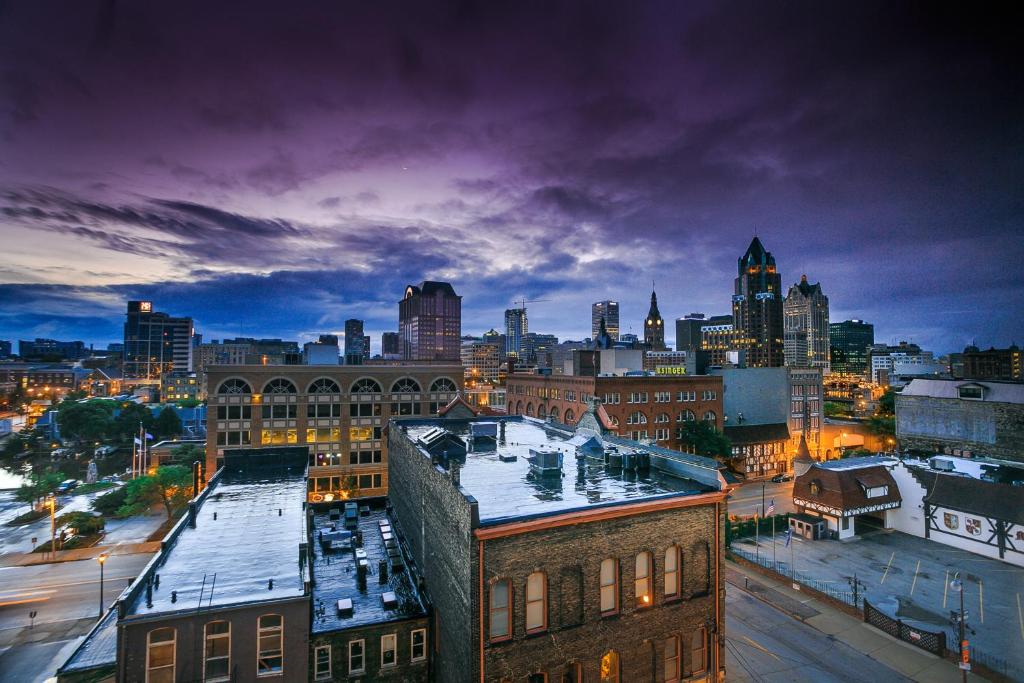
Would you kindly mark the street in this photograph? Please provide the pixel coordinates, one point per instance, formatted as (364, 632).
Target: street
(66, 598)
(746, 500)
(763, 644)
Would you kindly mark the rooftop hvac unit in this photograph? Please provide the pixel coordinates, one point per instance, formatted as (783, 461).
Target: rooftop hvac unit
(481, 430)
(545, 462)
(942, 464)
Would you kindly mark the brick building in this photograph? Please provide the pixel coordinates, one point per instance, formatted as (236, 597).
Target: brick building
(638, 407)
(995, 363)
(338, 411)
(559, 554)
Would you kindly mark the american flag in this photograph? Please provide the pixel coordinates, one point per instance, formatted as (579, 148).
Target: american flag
(771, 508)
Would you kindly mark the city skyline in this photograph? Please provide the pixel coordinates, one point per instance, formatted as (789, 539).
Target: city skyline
(639, 144)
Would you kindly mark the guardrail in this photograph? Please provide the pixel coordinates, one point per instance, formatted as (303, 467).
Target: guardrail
(782, 568)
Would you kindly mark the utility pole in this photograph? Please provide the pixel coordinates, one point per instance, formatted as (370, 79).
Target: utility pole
(965, 652)
(53, 527)
(757, 535)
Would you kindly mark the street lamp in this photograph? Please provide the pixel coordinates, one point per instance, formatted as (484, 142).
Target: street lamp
(53, 527)
(101, 559)
(965, 662)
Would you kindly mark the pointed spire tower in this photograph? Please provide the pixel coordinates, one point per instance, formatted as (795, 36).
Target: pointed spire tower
(803, 461)
(654, 326)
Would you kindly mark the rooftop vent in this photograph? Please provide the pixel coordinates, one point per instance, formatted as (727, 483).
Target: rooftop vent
(389, 599)
(546, 462)
(345, 607)
(942, 464)
(483, 430)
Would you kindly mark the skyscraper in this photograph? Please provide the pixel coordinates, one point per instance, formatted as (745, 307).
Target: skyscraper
(357, 349)
(430, 322)
(757, 307)
(155, 343)
(805, 326)
(609, 310)
(688, 335)
(654, 327)
(516, 327)
(849, 343)
(390, 346)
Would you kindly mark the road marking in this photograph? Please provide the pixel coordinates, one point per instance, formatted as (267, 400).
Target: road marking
(914, 582)
(762, 648)
(886, 572)
(945, 589)
(981, 600)
(1020, 618)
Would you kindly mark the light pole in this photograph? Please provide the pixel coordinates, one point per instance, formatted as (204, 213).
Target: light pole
(53, 527)
(101, 559)
(965, 662)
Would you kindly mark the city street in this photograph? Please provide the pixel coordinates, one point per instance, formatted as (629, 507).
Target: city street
(745, 501)
(66, 598)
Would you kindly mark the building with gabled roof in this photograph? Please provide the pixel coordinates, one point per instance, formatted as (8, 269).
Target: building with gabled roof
(844, 491)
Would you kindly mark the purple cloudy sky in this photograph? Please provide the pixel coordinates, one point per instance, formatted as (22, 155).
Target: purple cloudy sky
(275, 168)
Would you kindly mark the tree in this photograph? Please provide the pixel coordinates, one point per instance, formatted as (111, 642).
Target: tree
(126, 424)
(704, 439)
(186, 454)
(90, 421)
(882, 425)
(37, 487)
(110, 503)
(167, 423)
(83, 523)
(835, 409)
(887, 402)
(170, 485)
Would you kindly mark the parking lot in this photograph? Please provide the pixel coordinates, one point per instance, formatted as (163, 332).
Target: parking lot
(908, 578)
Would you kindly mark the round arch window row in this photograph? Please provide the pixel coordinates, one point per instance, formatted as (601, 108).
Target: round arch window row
(325, 385)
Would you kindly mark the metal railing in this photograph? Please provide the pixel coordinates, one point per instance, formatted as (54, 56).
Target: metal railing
(934, 642)
(829, 588)
(998, 665)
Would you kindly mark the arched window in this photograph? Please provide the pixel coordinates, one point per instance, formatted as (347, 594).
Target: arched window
(234, 386)
(609, 586)
(405, 385)
(642, 580)
(501, 610)
(815, 487)
(279, 385)
(672, 660)
(542, 412)
(365, 386)
(662, 418)
(698, 653)
(529, 409)
(519, 408)
(614, 420)
(270, 646)
(217, 654)
(610, 667)
(636, 418)
(673, 572)
(324, 385)
(161, 647)
(443, 384)
(711, 417)
(686, 416)
(570, 417)
(553, 414)
(536, 602)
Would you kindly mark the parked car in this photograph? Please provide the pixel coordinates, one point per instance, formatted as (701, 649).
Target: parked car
(779, 478)
(67, 486)
(104, 451)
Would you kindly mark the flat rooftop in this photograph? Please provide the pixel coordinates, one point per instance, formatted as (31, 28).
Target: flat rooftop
(507, 489)
(335, 574)
(248, 531)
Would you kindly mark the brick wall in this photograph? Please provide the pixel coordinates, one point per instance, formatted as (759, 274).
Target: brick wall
(405, 669)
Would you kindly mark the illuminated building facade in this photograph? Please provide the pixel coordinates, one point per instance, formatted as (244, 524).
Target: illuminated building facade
(155, 343)
(757, 307)
(609, 310)
(430, 322)
(806, 330)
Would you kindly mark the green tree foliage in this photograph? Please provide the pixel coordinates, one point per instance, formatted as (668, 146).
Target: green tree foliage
(882, 425)
(188, 402)
(90, 421)
(83, 523)
(887, 403)
(704, 439)
(836, 409)
(126, 424)
(170, 485)
(38, 487)
(167, 424)
(186, 454)
(110, 503)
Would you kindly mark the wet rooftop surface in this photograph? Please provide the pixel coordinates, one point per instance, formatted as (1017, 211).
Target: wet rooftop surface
(99, 649)
(237, 553)
(509, 490)
(334, 572)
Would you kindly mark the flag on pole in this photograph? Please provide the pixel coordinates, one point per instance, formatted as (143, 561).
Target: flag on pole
(789, 536)
(149, 436)
(771, 508)
(138, 441)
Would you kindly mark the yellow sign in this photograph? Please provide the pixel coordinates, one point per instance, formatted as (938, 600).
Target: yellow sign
(670, 370)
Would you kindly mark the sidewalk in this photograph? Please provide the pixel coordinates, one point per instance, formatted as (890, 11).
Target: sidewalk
(903, 657)
(26, 559)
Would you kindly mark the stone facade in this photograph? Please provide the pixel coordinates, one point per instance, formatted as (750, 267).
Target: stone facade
(961, 427)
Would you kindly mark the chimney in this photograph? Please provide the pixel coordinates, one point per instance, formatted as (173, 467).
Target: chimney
(382, 571)
(196, 478)
(501, 433)
(192, 514)
(455, 473)
(361, 569)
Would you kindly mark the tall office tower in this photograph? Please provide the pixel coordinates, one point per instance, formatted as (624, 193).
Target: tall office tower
(516, 327)
(849, 344)
(654, 327)
(757, 307)
(390, 346)
(805, 326)
(688, 335)
(355, 342)
(155, 343)
(430, 322)
(609, 310)
(537, 348)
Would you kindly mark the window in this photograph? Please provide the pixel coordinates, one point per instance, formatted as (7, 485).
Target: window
(612, 399)
(661, 434)
(366, 386)
(356, 656)
(570, 417)
(234, 386)
(405, 408)
(610, 667)
(160, 655)
(281, 411)
(636, 418)
(661, 418)
(642, 580)
(707, 395)
(322, 663)
(442, 384)
(672, 669)
(234, 412)
(418, 644)
(360, 433)
(364, 410)
(324, 386)
(662, 396)
(573, 673)
(971, 393)
(279, 386)
(672, 566)
(686, 416)
(609, 586)
(388, 651)
(536, 602)
(710, 416)
(406, 385)
(501, 614)
(270, 657)
(698, 653)
(217, 658)
(686, 396)
(537, 678)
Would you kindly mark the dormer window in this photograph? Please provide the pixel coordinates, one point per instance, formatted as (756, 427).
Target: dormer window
(815, 487)
(971, 392)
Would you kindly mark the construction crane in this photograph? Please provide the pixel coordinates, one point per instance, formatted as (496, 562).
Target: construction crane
(525, 301)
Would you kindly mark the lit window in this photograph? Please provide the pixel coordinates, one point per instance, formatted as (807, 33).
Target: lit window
(536, 599)
(418, 643)
(388, 651)
(501, 615)
(610, 667)
(160, 655)
(270, 657)
(642, 580)
(356, 658)
(609, 586)
(672, 582)
(322, 663)
(217, 665)
(672, 669)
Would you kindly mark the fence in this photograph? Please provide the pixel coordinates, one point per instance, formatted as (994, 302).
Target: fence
(926, 640)
(998, 665)
(783, 568)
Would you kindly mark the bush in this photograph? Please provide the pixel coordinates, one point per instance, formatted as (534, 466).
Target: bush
(109, 503)
(83, 523)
